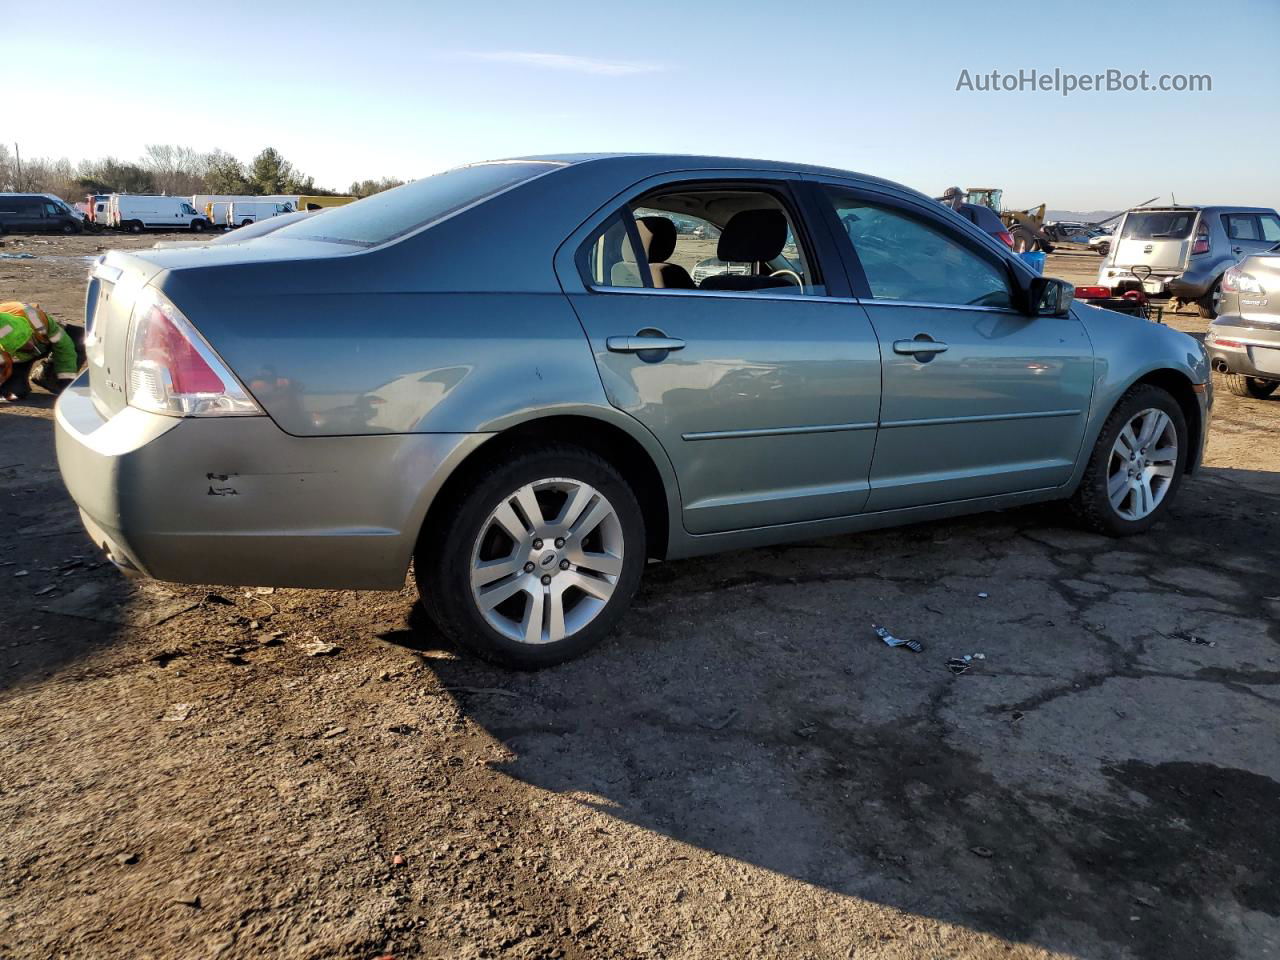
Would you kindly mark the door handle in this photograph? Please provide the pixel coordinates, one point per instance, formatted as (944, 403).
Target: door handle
(1237, 249)
(641, 344)
(916, 347)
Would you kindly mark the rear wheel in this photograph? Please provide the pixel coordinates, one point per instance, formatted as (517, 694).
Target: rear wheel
(538, 560)
(1206, 306)
(1255, 387)
(135, 226)
(1136, 465)
(197, 226)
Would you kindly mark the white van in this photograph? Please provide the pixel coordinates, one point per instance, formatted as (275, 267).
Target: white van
(243, 212)
(136, 213)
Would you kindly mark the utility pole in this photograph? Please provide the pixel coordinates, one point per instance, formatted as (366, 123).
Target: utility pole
(18, 157)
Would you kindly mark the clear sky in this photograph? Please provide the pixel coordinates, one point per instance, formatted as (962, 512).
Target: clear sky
(393, 87)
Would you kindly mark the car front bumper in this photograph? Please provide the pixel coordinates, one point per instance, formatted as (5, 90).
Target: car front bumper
(235, 500)
(1236, 345)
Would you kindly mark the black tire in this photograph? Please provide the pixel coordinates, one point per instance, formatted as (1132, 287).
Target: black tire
(69, 228)
(442, 561)
(1255, 387)
(197, 226)
(135, 226)
(1090, 503)
(1103, 249)
(245, 223)
(1205, 305)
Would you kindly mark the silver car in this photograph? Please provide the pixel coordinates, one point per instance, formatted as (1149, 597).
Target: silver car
(505, 375)
(1244, 342)
(1182, 252)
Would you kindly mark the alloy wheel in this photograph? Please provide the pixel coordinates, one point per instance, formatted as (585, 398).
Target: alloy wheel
(1143, 460)
(547, 560)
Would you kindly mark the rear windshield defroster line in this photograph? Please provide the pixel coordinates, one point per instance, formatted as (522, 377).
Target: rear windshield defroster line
(393, 213)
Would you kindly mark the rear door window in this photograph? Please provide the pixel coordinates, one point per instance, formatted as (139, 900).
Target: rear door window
(1270, 224)
(1241, 226)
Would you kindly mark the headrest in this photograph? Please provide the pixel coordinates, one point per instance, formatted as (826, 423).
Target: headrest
(658, 237)
(753, 235)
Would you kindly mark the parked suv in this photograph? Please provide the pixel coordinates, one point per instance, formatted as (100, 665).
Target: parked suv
(1186, 249)
(37, 212)
(1244, 342)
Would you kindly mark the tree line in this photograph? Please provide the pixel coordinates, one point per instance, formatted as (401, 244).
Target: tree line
(169, 169)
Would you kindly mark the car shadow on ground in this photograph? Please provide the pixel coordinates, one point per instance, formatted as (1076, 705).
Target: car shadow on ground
(1097, 782)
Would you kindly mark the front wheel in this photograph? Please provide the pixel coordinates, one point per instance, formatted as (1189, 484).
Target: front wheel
(1255, 387)
(1136, 465)
(537, 560)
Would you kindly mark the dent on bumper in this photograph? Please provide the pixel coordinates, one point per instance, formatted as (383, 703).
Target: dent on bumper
(236, 500)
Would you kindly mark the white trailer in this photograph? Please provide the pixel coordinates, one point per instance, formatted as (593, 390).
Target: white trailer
(243, 212)
(136, 212)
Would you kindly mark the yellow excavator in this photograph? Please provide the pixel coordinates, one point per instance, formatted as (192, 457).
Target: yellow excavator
(1028, 223)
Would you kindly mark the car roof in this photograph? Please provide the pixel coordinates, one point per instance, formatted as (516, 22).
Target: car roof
(666, 162)
(1228, 208)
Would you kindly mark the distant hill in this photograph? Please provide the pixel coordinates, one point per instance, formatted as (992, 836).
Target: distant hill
(1091, 216)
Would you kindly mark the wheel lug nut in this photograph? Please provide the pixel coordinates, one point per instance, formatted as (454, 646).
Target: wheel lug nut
(564, 564)
(546, 578)
(528, 568)
(559, 542)
(537, 544)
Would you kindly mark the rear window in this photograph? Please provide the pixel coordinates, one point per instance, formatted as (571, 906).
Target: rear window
(393, 213)
(1159, 225)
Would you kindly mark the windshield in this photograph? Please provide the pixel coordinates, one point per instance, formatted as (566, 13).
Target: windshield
(393, 213)
(1159, 225)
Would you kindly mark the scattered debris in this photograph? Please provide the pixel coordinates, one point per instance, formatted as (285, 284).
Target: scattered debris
(264, 591)
(397, 861)
(320, 648)
(402, 728)
(271, 639)
(46, 590)
(218, 599)
(235, 659)
(333, 732)
(983, 596)
(1016, 716)
(1186, 637)
(187, 898)
(23, 573)
(984, 852)
(722, 722)
(177, 712)
(126, 859)
(492, 691)
(892, 641)
(17, 256)
(958, 665)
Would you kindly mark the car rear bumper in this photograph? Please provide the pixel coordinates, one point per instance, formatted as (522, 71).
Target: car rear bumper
(1257, 353)
(235, 500)
(1186, 286)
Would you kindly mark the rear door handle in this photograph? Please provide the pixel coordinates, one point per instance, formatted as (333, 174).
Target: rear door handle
(919, 346)
(640, 344)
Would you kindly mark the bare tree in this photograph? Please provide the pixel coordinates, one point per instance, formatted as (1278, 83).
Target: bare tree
(176, 169)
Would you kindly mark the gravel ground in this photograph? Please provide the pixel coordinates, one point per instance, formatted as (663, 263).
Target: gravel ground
(744, 770)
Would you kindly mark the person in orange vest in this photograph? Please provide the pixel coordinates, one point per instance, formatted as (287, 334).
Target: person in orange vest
(34, 348)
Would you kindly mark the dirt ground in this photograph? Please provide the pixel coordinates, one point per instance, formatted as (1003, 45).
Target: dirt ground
(743, 771)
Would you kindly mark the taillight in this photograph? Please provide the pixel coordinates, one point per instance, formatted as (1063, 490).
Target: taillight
(1236, 280)
(1219, 342)
(173, 371)
(1006, 236)
(1092, 293)
(1201, 245)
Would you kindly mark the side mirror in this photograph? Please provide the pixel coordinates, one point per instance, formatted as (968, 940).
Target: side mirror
(1049, 297)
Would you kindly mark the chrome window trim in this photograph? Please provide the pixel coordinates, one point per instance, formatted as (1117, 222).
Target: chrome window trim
(804, 298)
(778, 431)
